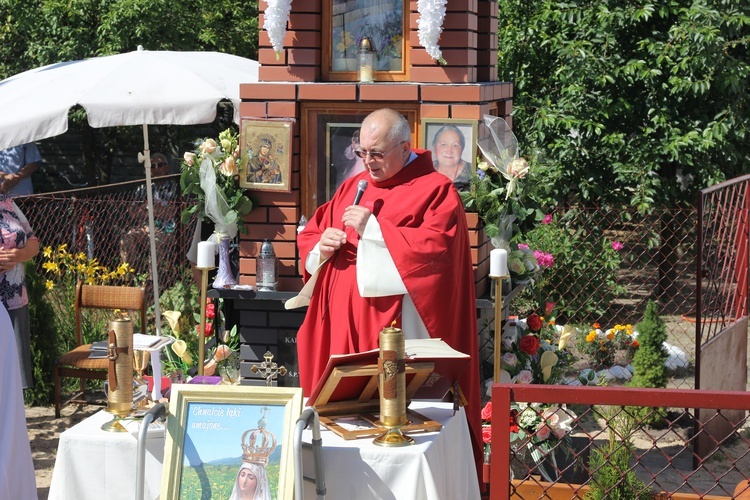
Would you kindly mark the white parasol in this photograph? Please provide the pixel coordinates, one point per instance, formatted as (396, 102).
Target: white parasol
(122, 90)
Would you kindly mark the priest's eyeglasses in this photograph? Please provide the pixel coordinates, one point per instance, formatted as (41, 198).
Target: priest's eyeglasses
(375, 155)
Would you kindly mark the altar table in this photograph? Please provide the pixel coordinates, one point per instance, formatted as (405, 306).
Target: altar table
(96, 464)
(439, 465)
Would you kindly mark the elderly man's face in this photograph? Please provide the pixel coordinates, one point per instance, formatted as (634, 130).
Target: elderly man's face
(383, 159)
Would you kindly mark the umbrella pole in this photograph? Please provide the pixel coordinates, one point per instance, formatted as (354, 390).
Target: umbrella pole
(145, 158)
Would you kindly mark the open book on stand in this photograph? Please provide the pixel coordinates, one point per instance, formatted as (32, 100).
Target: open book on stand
(349, 382)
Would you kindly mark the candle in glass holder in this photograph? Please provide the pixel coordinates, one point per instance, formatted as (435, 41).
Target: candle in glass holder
(498, 263)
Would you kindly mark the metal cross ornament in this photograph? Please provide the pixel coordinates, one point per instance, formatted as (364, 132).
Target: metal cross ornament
(269, 369)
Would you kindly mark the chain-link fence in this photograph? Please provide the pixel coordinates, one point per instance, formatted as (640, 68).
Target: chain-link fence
(102, 228)
(609, 263)
(614, 442)
(655, 262)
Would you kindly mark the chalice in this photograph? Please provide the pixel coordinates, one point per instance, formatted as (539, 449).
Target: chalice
(140, 362)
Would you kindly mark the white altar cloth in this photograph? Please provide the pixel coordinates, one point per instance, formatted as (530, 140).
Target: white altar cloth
(439, 465)
(95, 464)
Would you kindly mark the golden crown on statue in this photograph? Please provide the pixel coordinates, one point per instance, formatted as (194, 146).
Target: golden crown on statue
(258, 444)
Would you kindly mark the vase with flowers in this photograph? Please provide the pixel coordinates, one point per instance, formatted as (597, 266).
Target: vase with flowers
(211, 175)
(536, 350)
(496, 194)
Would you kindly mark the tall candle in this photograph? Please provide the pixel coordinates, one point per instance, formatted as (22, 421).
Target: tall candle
(206, 255)
(498, 263)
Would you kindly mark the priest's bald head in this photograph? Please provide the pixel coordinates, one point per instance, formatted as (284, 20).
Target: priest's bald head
(384, 143)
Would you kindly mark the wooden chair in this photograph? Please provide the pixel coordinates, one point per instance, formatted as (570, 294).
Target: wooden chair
(76, 363)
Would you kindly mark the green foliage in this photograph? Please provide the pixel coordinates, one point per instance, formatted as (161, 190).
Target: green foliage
(612, 477)
(38, 32)
(649, 369)
(648, 363)
(637, 102)
(488, 196)
(44, 339)
(584, 260)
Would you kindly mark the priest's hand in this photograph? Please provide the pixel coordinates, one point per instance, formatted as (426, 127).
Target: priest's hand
(356, 216)
(331, 240)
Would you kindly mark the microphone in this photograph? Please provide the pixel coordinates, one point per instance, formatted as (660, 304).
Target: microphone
(361, 186)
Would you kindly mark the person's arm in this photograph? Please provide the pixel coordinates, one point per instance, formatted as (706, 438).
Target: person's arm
(11, 180)
(9, 258)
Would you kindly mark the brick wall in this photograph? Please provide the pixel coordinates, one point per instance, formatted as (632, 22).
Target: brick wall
(464, 88)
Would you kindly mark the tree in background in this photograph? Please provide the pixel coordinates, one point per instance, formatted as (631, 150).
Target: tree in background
(642, 103)
(35, 33)
(635, 102)
(649, 369)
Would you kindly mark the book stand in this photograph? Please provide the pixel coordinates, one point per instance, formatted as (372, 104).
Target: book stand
(348, 402)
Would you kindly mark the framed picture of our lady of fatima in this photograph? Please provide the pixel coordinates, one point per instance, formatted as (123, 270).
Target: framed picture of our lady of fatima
(230, 442)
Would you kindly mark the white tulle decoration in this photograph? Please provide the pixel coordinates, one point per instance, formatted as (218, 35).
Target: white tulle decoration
(276, 17)
(430, 24)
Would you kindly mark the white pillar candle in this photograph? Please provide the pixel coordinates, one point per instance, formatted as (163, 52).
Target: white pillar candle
(206, 255)
(498, 263)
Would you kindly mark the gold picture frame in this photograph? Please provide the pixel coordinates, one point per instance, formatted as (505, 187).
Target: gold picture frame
(266, 146)
(431, 127)
(214, 433)
(384, 22)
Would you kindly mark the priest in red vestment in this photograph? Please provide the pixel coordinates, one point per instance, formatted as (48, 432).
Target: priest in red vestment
(400, 254)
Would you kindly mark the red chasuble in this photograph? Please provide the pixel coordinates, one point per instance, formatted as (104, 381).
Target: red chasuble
(424, 228)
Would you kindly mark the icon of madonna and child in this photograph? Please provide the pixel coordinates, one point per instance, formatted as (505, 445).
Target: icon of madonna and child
(225, 460)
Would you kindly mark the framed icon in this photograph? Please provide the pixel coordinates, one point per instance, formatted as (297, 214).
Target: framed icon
(266, 150)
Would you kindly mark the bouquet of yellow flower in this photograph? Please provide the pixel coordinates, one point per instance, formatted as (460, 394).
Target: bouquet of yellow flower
(67, 268)
(605, 347)
(211, 174)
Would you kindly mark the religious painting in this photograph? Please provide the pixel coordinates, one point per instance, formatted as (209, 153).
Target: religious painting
(230, 442)
(342, 140)
(347, 22)
(452, 143)
(266, 150)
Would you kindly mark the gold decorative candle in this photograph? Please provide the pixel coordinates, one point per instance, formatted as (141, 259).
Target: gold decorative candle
(392, 387)
(120, 372)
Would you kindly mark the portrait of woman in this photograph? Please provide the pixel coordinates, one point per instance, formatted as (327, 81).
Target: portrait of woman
(263, 167)
(266, 146)
(447, 150)
(251, 483)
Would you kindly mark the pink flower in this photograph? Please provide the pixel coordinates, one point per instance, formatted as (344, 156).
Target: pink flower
(523, 246)
(547, 219)
(524, 377)
(544, 259)
(617, 246)
(543, 432)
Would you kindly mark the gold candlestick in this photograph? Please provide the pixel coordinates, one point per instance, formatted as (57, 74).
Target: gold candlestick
(202, 331)
(119, 372)
(392, 388)
(498, 281)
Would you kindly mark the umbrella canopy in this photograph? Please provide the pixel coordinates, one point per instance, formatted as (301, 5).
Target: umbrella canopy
(121, 90)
